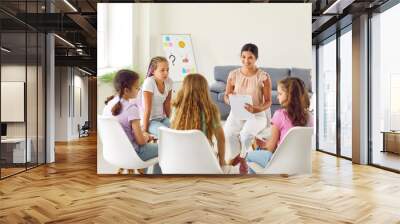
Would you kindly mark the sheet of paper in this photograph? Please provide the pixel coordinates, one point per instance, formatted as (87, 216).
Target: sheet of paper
(238, 103)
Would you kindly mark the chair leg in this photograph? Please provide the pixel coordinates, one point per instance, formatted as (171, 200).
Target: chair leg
(120, 171)
(131, 171)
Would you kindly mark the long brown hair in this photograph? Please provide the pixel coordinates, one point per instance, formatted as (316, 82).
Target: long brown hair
(153, 65)
(298, 102)
(192, 100)
(124, 79)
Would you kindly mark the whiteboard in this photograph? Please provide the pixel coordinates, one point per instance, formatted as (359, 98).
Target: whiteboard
(12, 101)
(179, 52)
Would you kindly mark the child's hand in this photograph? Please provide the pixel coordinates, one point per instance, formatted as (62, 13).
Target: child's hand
(147, 137)
(153, 138)
(262, 143)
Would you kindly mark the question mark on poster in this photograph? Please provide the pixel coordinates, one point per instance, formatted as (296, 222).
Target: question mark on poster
(173, 60)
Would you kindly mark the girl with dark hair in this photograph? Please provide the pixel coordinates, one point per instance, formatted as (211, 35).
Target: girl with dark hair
(126, 84)
(247, 80)
(294, 99)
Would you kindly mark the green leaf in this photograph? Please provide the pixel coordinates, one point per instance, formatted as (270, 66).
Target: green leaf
(109, 77)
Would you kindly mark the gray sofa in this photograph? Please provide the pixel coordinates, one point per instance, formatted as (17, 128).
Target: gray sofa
(221, 73)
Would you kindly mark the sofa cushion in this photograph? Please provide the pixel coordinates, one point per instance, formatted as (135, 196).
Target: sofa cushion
(221, 72)
(214, 96)
(224, 109)
(276, 74)
(275, 97)
(303, 74)
(218, 87)
(221, 97)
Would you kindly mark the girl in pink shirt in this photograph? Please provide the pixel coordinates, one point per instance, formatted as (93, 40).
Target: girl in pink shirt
(293, 97)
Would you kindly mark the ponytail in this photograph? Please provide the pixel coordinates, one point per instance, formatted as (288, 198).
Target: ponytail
(108, 99)
(124, 79)
(116, 110)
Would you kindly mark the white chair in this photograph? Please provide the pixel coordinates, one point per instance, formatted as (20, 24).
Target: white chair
(293, 155)
(117, 148)
(186, 152)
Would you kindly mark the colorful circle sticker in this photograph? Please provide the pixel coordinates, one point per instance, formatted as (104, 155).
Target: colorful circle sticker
(181, 44)
(167, 38)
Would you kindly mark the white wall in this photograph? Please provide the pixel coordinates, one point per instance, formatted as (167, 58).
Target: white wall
(114, 36)
(33, 127)
(17, 73)
(281, 31)
(61, 103)
(66, 101)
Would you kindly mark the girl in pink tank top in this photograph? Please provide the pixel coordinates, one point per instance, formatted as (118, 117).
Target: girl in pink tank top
(293, 97)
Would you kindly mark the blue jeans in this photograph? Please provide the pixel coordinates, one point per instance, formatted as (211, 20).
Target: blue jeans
(259, 156)
(157, 123)
(149, 151)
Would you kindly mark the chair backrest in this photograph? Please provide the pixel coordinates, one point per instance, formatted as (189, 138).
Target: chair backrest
(86, 125)
(293, 155)
(117, 148)
(186, 152)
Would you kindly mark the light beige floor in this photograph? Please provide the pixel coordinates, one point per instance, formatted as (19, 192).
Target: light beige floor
(70, 191)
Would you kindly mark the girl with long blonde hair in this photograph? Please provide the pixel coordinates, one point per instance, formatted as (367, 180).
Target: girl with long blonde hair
(194, 109)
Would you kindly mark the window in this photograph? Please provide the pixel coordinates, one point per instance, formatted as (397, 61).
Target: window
(385, 89)
(327, 96)
(22, 66)
(346, 93)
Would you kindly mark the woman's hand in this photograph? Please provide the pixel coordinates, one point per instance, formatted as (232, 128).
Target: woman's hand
(228, 90)
(251, 108)
(226, 98)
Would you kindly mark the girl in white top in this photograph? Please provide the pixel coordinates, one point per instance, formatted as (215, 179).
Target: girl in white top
(156, 96)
